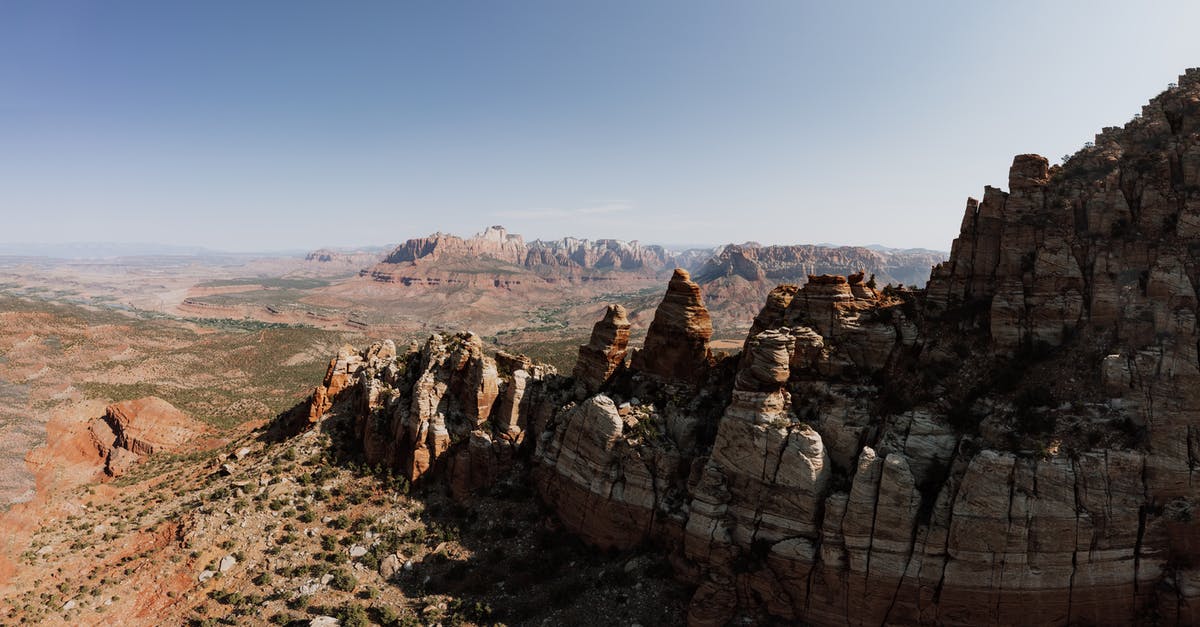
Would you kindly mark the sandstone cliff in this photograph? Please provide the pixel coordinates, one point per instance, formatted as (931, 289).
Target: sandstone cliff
(497, 258)
(1014, 444)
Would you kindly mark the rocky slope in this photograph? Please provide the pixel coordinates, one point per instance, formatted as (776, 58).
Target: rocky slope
(1013, 444)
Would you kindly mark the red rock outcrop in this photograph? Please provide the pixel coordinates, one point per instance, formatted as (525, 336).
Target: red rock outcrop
(772, 313)
(605, 351)
(131, 430)
(149, 425)
(676, 346)
(597, 481)
(342, 370)
(443, 404)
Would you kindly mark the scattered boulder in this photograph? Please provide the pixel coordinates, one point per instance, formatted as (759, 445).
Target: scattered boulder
(391, 566)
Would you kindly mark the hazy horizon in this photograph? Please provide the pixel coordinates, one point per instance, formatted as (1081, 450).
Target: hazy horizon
(293, 126)
(108, 249)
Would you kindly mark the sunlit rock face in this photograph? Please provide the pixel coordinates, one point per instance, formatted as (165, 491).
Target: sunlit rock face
(676, 347)
(600, 358)
(1014, 444)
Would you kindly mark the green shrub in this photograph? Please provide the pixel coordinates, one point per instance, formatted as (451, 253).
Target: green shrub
(385, 615)
(343, 581)
(351, 615)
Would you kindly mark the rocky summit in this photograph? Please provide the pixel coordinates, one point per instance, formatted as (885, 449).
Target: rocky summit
(1016, 443)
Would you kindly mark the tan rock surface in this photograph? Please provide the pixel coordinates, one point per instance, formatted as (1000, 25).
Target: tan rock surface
(605, 351)
(676, 346)
(149, 425)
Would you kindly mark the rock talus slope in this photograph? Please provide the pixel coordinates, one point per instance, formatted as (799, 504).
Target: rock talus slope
(1016, 443)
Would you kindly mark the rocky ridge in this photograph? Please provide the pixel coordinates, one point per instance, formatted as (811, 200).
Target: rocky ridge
(794, 263)
(676, 347)
(498, 258)
(347, 259)
(1013, 444)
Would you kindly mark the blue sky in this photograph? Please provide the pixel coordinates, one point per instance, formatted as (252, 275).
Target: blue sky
(285, 125)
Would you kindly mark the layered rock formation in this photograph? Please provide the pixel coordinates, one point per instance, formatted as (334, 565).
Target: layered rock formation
(793, 263)
(132, 430)
(444, 404)
(579, 260)
(605, 352)
(1014, 444)
(676, 347)
(497, 258)
(493, 242)
(737, 278)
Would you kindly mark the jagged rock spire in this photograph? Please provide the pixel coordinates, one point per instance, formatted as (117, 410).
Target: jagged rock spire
(605, 352)
(676, 346)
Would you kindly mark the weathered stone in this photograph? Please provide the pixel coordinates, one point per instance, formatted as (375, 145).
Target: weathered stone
(148, 425)
(676, 346)
(391, 566)
(605, 351)
(1014, 445)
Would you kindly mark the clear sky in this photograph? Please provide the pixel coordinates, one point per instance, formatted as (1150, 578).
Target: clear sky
(289, 124)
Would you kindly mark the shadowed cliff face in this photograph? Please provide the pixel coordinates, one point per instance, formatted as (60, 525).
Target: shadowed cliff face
(1014, 444)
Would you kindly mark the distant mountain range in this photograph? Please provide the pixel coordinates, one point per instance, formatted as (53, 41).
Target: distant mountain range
(497, 258)
(735, 278)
